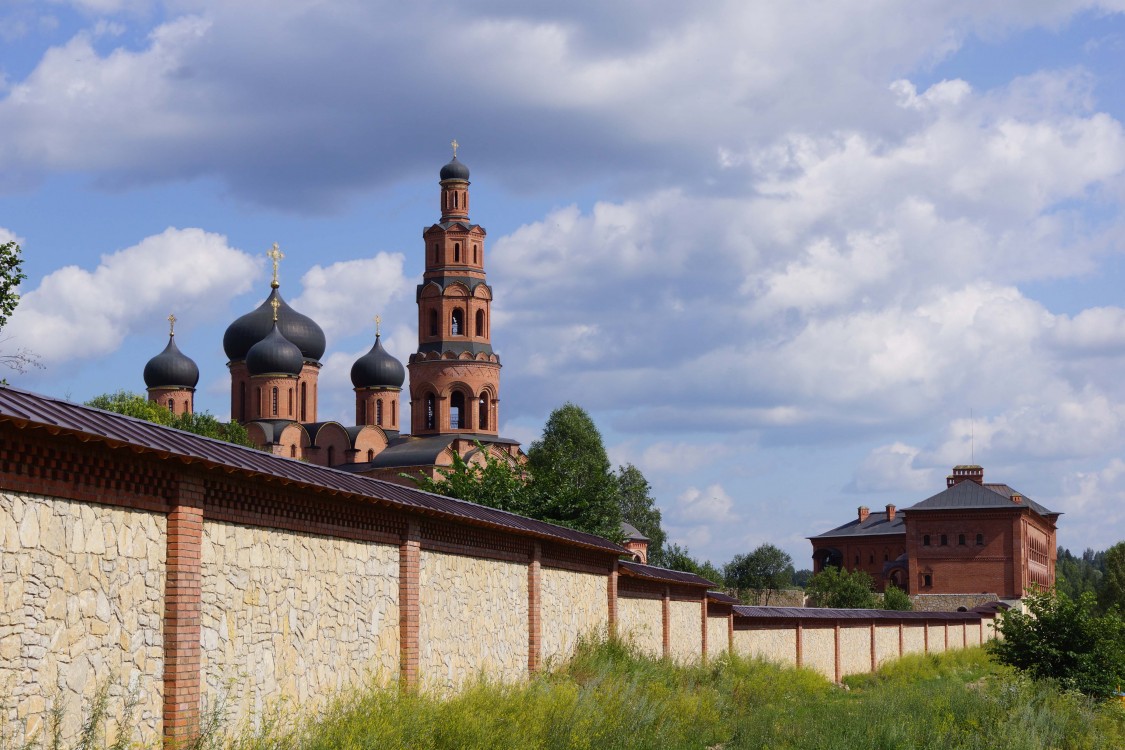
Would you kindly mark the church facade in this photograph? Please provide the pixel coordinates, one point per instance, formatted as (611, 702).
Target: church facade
(274, 356)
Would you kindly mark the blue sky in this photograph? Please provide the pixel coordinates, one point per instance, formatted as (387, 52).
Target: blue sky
(781, 252)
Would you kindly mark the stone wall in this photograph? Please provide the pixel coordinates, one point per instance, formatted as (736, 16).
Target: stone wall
(81, 601)
(886, 644)
(818, 650)
(685, 630)
(641, 621)
(855, 649)
(472, 620)
(914, 639)
(949, 602)
(718, 636)
(289, 616)
(573, 605)
(778, 645)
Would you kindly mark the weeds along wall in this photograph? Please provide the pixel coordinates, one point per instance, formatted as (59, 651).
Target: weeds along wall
(192, 574)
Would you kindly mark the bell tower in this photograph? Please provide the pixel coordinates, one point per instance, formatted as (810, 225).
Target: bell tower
(454, 375)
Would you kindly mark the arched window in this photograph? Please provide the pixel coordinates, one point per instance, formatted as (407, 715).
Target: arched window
(480, 323)
(379, 412)
(925, 540)
(370, 455)
(457, 411)
(258, 399)
(431, 412)
(273, 401)
(433, 323)
(292, 451)
(927, 580)
(394, 413)
(456, 252)
(961, 540)
(331, 455)
(435, 252)
(457, 322)
(359, 412)
(172, 405)
(242, 402)
(980, 540)
(290, 392)
(455, 200)
(475, 254)
(482, 412)
(304, 400)
(944, 540)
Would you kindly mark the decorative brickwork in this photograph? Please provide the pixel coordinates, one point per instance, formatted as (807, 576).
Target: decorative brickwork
(534, 610)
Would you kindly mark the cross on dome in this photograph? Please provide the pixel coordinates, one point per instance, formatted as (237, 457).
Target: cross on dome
(172, 324)
(378, 320)
(275, 303)
(454, 144)
(275, 254)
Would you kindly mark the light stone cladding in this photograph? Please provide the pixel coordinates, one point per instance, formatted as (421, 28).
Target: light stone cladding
(937, 638)
(572, 606)
(913, 639)
(718, 639)
(886, 644)
(293, 617)
(855, 649)
(972, 635)
(472, 620)
(685, 631)
(777, 645)
(641, 621)
(81, 601)
(818, 650)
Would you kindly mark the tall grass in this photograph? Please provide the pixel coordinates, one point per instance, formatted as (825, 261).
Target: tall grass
(610, 696)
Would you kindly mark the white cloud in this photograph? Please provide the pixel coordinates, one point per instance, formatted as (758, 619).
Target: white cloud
(892, 468)
(7, 235)
(344, 297)
(75, 314)
(710, 505)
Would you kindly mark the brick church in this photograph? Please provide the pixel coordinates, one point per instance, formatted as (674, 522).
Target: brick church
(275, 354)
(972, 537)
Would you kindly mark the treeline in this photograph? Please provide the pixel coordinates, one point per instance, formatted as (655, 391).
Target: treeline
(1100, 574)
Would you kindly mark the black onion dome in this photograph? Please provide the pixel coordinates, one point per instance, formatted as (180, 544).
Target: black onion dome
(378, 369)
(274, 354)
(455, 170)
(171, 369)
(256, 324)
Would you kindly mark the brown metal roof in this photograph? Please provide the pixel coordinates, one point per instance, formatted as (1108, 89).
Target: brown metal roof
(818, 613)
(653, 573)
(26, 409)
(718, 596)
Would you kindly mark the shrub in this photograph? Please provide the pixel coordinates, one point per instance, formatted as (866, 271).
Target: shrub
(840, 589)
(896, 599)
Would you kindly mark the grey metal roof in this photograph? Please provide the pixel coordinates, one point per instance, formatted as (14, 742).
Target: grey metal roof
(271, 428)
(455, 346)
(817, 613)
(969, 494)
(632, 533)
(653, 573)
(31, 410)
(875, 525)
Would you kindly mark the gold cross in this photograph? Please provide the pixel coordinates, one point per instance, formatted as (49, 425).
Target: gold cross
(275, 254)
(172, 324)
(275, 303)
(378, 320)
(454, 144)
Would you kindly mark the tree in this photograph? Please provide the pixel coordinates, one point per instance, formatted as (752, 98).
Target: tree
(1111, 592)
(496, 483)
(896, 599)
(571, 480)
(10, 277)
(203, 423)
(839, 589)
(1075, 575)
(766, 569)
(802, 577)
(639, 509)
(679, 558)
(1064, 639)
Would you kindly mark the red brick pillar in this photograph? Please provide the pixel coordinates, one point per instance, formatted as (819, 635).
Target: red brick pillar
(611, 600)
(926, 637)
(182, 594)
(800, 656)
(947, 635)
(534, 610)
(836, 647)
(703, 625)
(900, 639)
(666, 620)
(409, 559)
(730, 632)
(874, 658)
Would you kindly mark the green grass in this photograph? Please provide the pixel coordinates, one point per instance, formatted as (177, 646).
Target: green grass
(610, 697)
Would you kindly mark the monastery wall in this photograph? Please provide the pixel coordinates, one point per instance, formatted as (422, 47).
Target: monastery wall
(685, 631)
(640, 621)
(573, 606)
(81, 599)
(718, 635)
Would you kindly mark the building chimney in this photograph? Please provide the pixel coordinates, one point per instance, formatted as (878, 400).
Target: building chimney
(890, 512)
(864, 512)
(1017, 499)
(965, 472)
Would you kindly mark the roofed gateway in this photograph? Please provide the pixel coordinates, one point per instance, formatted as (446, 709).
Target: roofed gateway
(972, 537)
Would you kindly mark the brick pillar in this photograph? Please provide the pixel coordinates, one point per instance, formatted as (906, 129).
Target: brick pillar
(703, 625)
(611, 600)
(836, 648)
(534, 610)
(900, 643)
(947, 635)
(730, 632)
(182, 594)
(874, 658)
(926, 637)
(666, 619)
(800, 633)
(409, 559)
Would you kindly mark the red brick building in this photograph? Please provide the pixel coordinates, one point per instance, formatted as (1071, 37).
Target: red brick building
(972, 537)
(275, 354)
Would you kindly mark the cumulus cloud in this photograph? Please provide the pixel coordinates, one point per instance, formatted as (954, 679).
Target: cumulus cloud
(892, 468)
(344, 297)
(76, 314)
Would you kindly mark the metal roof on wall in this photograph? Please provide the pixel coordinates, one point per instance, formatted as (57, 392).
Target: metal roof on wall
(26, 409)
(817, 613)
(653, 573)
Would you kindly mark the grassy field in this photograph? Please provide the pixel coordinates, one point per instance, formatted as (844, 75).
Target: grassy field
(610, 697)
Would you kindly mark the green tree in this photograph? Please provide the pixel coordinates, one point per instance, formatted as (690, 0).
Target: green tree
(896, 599)
(679, 558)
(496, 483)
(1076, 575)
(840, 589)
(639, 509)
(1111, 592)
(802, 577)
(1066, 640)
(764, 570)
(203, 423)
(571, 480)
(10, 277)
